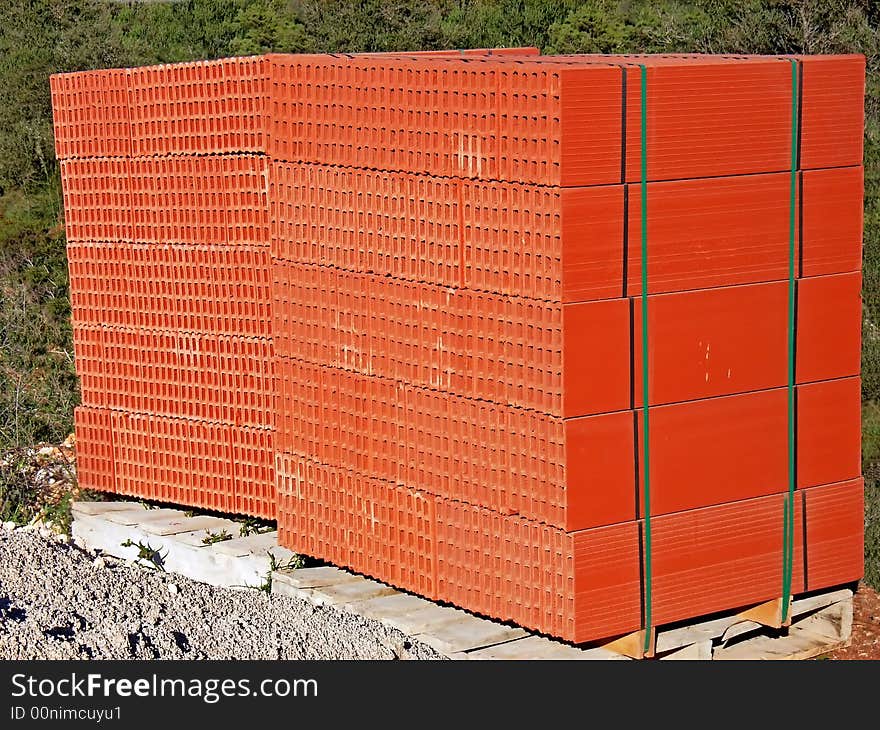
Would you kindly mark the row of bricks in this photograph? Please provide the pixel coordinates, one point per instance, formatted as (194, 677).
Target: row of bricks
(570, 473)
(565, 244)
(703, 562)
(196, 200)
(479, 345)
(579, 586)
(182, 108)
(208, 289)
(181, 461)
(525, 465)
(548, 120)
(207, 106)
(217, 378)
(558, 120)
(566, 359)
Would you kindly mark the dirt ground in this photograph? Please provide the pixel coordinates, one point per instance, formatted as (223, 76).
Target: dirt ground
(866, 627)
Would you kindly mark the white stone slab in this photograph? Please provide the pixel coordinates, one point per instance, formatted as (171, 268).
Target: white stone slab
(199, 563)
(139, 515)
(184, 524)
(813, 603)
(350, 592)
(283, 556)
(794, 646)
(280, 588)
(250, 545)
(196, 537)
(423, 620)
(467, 633)
(324, 575)
(726, 628)
(396, 604)
(99, 508)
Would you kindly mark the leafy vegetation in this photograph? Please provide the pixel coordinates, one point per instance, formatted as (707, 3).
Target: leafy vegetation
(254, 526)
(213, 537)
(37, 486)
(294, 562)
(19, 501)
(37, 382)
(147, 554)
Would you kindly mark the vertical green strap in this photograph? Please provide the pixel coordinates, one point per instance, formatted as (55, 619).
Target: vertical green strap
(788, 508)
(646, 467)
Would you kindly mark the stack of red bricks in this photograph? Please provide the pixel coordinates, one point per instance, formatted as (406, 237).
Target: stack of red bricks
(456, 301)
(165, 195)
(165, 178)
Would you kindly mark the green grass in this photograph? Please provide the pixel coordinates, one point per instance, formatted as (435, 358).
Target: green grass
(295, 562)
(19, 499)
(871, 470)
(211, 537)
(254, 526)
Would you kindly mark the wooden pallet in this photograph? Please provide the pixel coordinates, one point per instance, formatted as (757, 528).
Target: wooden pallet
(819, 623)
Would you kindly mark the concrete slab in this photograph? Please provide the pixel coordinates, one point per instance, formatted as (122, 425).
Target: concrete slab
(280, 588)
(396, 604)
(423, 620)
(351, 592)
(197, 562)
(139, 515)
(184, 524)
(701, 650)
(323, 575)
(196, 537)
(99, 508)
(282, 555)
(467, 633)
(813, 603)
(250, 545)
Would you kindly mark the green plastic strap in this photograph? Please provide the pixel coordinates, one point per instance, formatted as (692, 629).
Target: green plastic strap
(646, 469)
(788, 507)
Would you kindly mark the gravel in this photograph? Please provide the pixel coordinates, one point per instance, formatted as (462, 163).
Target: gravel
(60, 602)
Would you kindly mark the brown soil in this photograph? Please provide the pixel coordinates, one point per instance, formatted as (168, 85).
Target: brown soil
(866, 627)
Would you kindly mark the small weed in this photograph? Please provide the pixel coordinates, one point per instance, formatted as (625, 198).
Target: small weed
(58, 513)
(253, 526)
(211, 537)
(292, 563)
(148, 554)
(147, 505)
